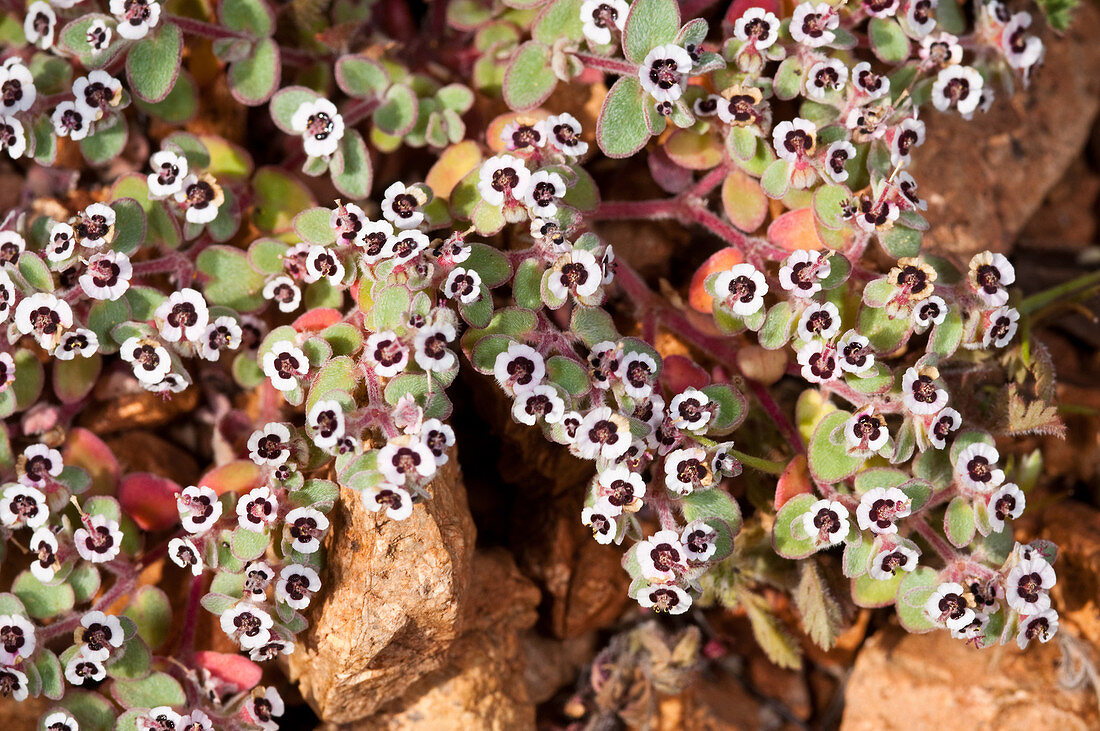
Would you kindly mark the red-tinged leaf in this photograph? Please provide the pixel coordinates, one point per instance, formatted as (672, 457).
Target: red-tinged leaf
(150, 500)
(452, 166)
(85, 449)
(671, 176)
(744, 201)
(317, 319)
(73, 379)
(679, 373)
(238, 476)
(795, 480)
(795, 230)
(693, 150)
(718, 262)
(235, 670)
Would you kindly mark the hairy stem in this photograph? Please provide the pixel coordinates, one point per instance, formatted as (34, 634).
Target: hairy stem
(606, 64)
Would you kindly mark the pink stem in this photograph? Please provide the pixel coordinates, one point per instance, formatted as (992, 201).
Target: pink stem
(946, 550)
(609, 65)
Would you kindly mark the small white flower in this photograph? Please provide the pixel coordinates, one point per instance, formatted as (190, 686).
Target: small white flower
(825, 76)
(576, 271)
(1028, 585)
(503, 179)
(169, 172)
(707, 106)
(284, 364)
(758, 26)
(7, 371)
(306, 527)
(17, 87)
(1043, 625)
(22, 505)
(97, 92)
(296, 586)
(401, 206)
(13, 137)
(890, 560)
(687, 470)
(598, 17)
(257, 510)
(524, 133)
(463, 285)
(742, 288)
(171, 383)
(919, 392)
(199, 508)
(257, 577)
(437, 437)
(262, 708)
(405, 457)
(802, 272)
(538, 401)
(622, 487)
(942, 49)
(601, 519)
(819, 321)
(880, 507)
(959, 87)
(69, 120)
(906, 136)
(320, 125)
(920, 17)
(135, 17)
(95, 226)
(813, 25)
(14, 683)
(699, 540)
(868, 83)
(637, 372)
(947, 606)
(248, 625)
(81, 667)
(671, 599)
(323, 263)
(1002, 327)
(149, 359)
(222, 334)
(430, 347)
(44, 316)
(1007, 503)
(264, 653)
(836, 159)
(98, 35)
(17, 640)
(98, 540)
(691, 410)
(350, 223)
(107, 276)
(930, 311)
(519, 368)
(40, 464)
(660, 556)
(988, 275)
(818, 361)
(406, 246)
(395, 500)
(854, 354)
(12, 246)
(543, 192)
(1022, 51)
(603, 433)
(865, 431)
(826, 523)
(99, 633)
(876, 215)
(43, 546)
(40, 24)
(270, 445)
(183, 553)
(881, 8)
(60, 721)
(284, 292)
(326, 423)
(564, 134)
(947, 421)
(664, 72)
(386, 353)
(62, 242)
(201, 197)
(976, 468)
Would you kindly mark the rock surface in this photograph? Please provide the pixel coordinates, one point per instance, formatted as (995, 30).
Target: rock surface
(985, 178)
(1076, 529)
(903, 681)
(392, 604)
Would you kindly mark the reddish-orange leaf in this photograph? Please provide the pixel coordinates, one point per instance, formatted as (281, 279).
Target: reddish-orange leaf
(238, 476)
(795, 480)
(150, 500)
(718, 262)
(795, 230)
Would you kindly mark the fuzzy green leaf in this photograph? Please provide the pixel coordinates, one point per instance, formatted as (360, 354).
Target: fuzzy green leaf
(153, 63)
(651, 23)
(529, 79)
(254, 79)
(621, 129)
(958, 522)
(351, 166)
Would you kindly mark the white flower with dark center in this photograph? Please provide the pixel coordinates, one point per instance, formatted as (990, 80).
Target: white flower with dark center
(306, 528)
(200, 197)
(854, 354)
(503, 179)
(81, 667)
(836, 158)
(169, 172)
(401, 205)
(660, 556)
(17, 90)
(637, 372)
(98, 92)
(880, 507)
(601, 519)
(38, 465)
(1028, 585)
(395, 500)
(866, 431)
(69, 120)
(7, 371)
(13, 684)
(664, 72)
(196, 720)
(543, 192)
(12, 246)
(430, 347)
(794, 140)
(519, 368)
(326, 423)
(920, 16)
(257, 510)
(976, 468)
(320, 125)
(906, 136)
(576, 271)
(62, 242)
(386, 353)
(98, 35)
(135, 17)
(323, 263)
(757, 26)
(1022, 51)
(706, 106)
(7, 295)
(826, 523)
(988, 275)
(405, 457)
(876, 215)
(406, 246)
(537, 402)
(825, 76)
(742, 289)
(17, 640)
(1001, 328)
(13, 137)
(959, 87)
(248, 625)
(564, 134)
(222, 334)
(929, 311)
(377, 241)
(947, 421)
(183, 553)
(263, 707)
(687, 470)
(818, 361)
(1007, 503)
(819, 321)
(43, 547)
(22, 505)
(802, 272)
(284, 364)
(438, 438)
(868, 83)
(296, 585)
(171, 383)
(524, 133)
(184, 315)
(99, 634)
(350, 223)
(199, 508)
(973, 631)
(60, 721)
(264, 653)
(284, 292)
(257, 577)
(107, 276)
(887, 562)
(622, 488)
(881, 8)
(813, 25)
(920, 393)
(947, 606)
(39, 24)
(463, 285)
(671, 599)
(603, 363)
(699, 540)
(603, 433)
(44, 316)
(1042, 625)
(270, 445)
(95, 226)
(98, 540)
(598, 17)
(691, 410)
(941, 49)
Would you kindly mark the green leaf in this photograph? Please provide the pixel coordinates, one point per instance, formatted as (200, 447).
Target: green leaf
(491, 265)
(712, 503)
(107, 142)
(248, 545)
(337, 374)
(314, 227)
(857, 556)
(152, 613)
(74, 39)
(593, 325)
(133, 662)
(788, 78)
(130, 225)
(527, 286)
(829, 461)
(567, 374)
(958, 522)
(232, 280)
(888, 40)
(92, 711)
(361, 77)
(398, 113)
(947, 336)
(828, 202)
(530, 78)
(870, 592)
(179, 106)
(913, 591)
(651, 23)
(820, 612)
(158, 689)
(42, 601)
(285, 102)
(253, 17)
(885, 333)
(776, 180)
(559, 19)
(732, 408)
(621, 129)
(776, 330)
(253, 80)
(900, 242)
(279, 198)
(153, 63)
(74, 379)
(49, 672)
(29, 377)
(34, 270)
(351, 166)
(786, 542)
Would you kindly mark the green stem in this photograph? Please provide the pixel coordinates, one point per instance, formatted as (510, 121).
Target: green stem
(1039, 300)
(764, 465)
